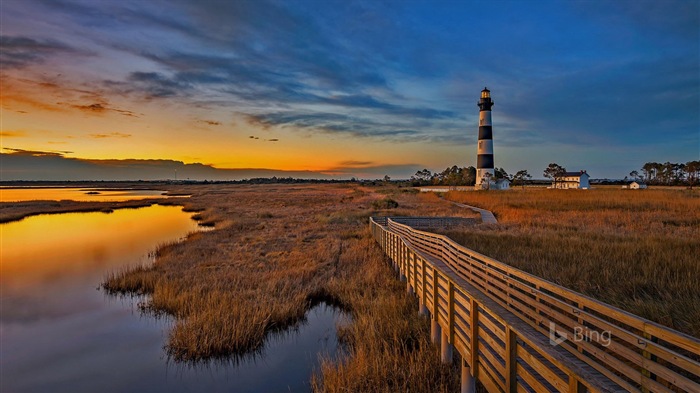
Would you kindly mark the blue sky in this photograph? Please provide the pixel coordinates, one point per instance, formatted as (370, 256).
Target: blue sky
(354, 88)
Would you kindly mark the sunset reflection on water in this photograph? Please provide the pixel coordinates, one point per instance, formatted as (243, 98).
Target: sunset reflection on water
(60, 334)
(52, 314)
(76, 194)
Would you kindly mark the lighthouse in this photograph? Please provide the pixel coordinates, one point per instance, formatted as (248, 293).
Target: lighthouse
(484, 160)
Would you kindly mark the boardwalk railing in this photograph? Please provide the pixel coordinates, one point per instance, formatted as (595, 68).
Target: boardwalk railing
(433, 222)
(517, 332)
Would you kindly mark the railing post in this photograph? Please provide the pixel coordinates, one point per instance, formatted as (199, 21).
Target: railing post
(409, 282)
(575, 386)
(423, 296)
(579, 320)
(415, 274)
(474, 336)
(450, 311)
(435, 331)
(511, 360)
(434, 324)
(468, 384)
(647, 355)
(446, 348)
(448, 336)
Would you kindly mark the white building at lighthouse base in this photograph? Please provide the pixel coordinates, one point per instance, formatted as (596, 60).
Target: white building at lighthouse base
(500, 184)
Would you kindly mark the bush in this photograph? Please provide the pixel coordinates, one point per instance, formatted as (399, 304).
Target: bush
(386, 203)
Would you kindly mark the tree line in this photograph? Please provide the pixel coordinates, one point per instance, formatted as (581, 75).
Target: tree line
(464, 176)
(668, 173)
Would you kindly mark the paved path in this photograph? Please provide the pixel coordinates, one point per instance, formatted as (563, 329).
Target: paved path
(486, 216)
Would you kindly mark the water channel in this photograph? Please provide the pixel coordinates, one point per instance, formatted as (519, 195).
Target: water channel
(59, 333)
(18, 194)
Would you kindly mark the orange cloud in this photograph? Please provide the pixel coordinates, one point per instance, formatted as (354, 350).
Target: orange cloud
(54, 95)
(100, 108)
(12, 134)
(110, 135)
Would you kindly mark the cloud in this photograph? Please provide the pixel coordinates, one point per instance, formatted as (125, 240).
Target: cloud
(20, 52)
(400, 171)
(584, 78)
(12, 134)
(39, 165)
(333, 123)
(100, 108)
(355, 164)
(57, 94)
(609, 104)
(266, 140)
(110, 135)
(156, 85)
(35, 153)
(210, 122)
(237, 61)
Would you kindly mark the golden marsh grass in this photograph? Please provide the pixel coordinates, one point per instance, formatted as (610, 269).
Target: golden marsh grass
(275, 252)
(637, 250)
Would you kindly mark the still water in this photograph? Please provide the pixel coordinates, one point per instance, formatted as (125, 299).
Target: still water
(59, 333)
(8, 194)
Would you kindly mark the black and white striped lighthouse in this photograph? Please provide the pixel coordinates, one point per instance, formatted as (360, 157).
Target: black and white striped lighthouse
(484, 160)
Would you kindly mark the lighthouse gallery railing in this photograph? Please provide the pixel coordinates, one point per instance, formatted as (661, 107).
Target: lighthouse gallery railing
(474, 298)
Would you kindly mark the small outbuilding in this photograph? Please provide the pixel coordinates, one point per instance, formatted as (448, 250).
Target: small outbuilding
(636, 185)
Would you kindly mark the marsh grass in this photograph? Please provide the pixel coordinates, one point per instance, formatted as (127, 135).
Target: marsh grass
(15, 211)
(275, 252)
(635, 250)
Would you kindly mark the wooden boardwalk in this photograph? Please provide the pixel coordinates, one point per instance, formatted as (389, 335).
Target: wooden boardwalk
(487, 217)
(516, 332)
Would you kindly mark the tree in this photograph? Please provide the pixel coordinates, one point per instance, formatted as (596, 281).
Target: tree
(634, 175)
(521, 177)
(469, 176)
(452, 176)
(501, 173)
(554, 172)
(387, 178)
(652, 171)
(656, 169)
(422, 177)
(692, 170)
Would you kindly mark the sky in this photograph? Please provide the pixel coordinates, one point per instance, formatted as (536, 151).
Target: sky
(344, 88)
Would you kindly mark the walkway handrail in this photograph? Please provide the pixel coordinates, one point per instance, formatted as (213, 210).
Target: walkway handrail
(631, 352)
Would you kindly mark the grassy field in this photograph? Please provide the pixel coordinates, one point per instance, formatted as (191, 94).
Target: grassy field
(638, 250)
(276, 251)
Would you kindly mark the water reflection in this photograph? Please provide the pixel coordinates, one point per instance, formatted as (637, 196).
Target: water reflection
(59, 334)
(75, 194)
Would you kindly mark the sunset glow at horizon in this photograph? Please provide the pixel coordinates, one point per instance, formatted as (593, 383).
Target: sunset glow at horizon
(360, 89)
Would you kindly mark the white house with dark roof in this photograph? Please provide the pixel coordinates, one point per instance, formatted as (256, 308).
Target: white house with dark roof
(572, 180)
